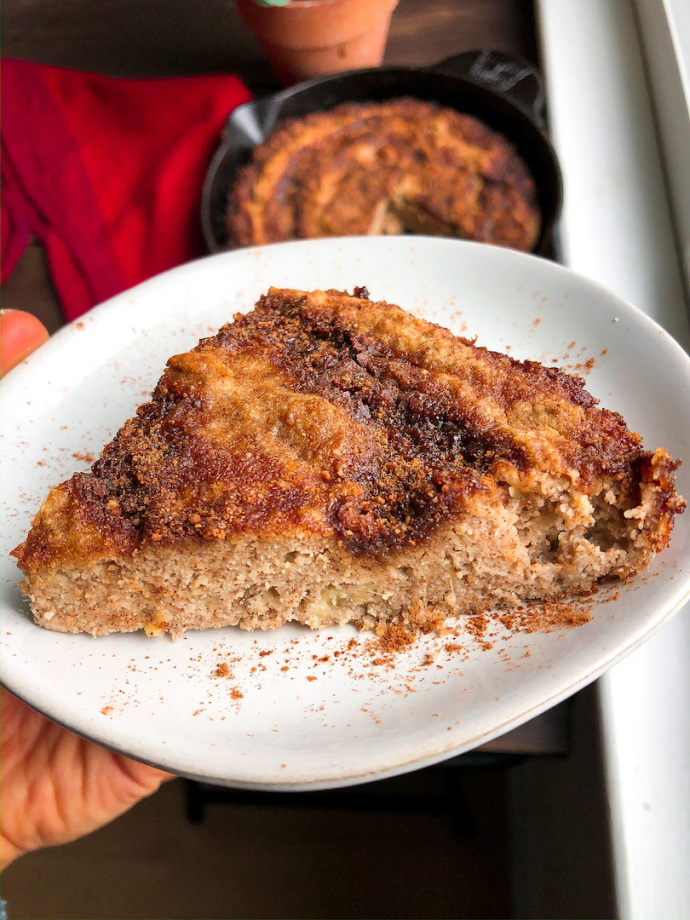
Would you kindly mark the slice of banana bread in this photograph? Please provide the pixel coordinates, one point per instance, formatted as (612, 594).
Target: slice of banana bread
(328, 459)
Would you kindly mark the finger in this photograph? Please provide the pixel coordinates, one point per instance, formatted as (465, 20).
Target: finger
(146, 777)
(20, 334)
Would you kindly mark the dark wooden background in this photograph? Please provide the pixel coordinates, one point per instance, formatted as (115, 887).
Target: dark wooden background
(139, 38)
(146, 38)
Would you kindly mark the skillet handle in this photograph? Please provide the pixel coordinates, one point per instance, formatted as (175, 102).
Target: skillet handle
(508, 75)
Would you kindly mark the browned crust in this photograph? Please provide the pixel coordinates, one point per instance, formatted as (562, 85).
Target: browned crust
(326, 415)
(335, 173)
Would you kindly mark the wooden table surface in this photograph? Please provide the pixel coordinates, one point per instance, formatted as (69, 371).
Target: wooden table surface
(146, 38)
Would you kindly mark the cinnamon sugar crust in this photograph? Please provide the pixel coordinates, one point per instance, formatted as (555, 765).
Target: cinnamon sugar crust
(381, 468)
(385, 168)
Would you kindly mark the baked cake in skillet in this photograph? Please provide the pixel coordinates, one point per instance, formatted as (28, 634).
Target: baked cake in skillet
(328, 459)
(385, 168)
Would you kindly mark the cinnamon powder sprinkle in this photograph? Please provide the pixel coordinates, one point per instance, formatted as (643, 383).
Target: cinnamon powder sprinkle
(482, 629)
(391, 640)
(453, 647)
(395, 639)
(545, 618)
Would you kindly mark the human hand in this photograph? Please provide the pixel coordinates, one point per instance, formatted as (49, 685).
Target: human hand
(56, 786)
(20, 334)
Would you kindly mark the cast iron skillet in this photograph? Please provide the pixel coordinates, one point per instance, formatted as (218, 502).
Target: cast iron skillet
(502, 91)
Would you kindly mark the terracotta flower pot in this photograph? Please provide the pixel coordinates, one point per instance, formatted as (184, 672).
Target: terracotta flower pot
(307, 38)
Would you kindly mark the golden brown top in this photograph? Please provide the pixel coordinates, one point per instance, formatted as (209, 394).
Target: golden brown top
(329, 414)
(385, 168)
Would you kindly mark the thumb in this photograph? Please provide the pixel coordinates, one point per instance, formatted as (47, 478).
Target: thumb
(20, 334)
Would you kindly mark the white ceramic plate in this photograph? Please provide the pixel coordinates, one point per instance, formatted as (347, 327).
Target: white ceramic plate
(282, 718)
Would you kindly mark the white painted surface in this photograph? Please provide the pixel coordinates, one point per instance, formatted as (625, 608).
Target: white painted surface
(617, 228)
(664, 27)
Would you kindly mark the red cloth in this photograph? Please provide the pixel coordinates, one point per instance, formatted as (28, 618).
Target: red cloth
(106, 173)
